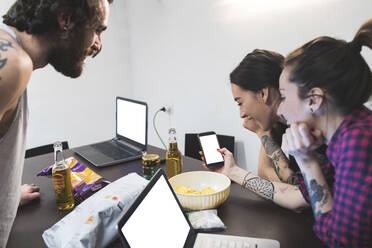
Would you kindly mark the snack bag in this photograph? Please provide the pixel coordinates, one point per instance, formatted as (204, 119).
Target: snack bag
(85, 182)
(92, 224)
(206, 220)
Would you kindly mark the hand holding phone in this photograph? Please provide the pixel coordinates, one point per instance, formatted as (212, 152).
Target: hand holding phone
(209, 145)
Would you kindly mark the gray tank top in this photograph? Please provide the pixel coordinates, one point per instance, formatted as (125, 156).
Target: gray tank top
(12, 153)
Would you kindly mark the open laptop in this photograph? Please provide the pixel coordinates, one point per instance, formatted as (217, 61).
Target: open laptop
(156, 219)
(130, 141)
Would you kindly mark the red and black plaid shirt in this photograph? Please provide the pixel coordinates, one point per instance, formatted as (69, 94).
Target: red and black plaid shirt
(349, 175)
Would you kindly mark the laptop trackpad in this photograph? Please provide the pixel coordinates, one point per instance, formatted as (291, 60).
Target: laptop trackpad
(94, 156)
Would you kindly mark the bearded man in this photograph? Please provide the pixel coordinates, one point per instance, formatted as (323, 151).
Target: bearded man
(36, 33)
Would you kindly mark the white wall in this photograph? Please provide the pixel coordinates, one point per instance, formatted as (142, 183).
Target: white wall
(179, 53)
(182, 51)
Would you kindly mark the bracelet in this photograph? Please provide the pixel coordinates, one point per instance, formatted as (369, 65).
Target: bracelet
(245, 177)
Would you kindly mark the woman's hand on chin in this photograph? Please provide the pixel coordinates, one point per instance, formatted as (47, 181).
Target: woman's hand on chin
(301, 142)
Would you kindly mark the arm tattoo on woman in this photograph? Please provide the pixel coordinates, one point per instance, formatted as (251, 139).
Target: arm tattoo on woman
(4, 45)
(294, 178)
(269, 145)
(276, 156)
(318, 195)
(261, 186)
(276, 168)
(322, 158)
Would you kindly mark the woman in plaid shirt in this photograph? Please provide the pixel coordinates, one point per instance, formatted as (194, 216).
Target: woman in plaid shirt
(323, 87)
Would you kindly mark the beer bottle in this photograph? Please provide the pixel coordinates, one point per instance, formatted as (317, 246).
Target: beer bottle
(62, 180)
(173, 163)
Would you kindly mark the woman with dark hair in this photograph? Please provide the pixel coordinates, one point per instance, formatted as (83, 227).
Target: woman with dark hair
(323, 87)
(254, 85)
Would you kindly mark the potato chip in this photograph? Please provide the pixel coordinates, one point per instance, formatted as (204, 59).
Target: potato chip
(182, 189)
(187, 190)
(207, 190)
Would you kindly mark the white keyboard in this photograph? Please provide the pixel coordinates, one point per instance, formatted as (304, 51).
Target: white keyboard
(204, 240)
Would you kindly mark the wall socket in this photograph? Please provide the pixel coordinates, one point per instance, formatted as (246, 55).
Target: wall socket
(168, 109)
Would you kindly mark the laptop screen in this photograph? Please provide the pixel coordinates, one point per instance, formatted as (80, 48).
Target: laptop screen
(158, 220)
(131, 120)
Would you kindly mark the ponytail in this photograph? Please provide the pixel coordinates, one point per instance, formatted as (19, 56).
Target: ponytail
(364, 36)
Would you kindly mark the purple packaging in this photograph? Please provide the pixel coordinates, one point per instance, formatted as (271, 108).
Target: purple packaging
(85, 182)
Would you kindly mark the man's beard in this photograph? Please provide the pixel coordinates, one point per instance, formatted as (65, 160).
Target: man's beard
(69, 59)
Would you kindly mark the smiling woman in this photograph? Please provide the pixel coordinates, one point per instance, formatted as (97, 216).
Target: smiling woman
(254, 84)
(324, 85)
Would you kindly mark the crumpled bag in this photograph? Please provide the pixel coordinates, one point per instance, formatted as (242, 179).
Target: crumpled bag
(206, 220)
(93, 223)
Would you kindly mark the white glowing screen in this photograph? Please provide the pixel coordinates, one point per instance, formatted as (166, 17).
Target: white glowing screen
(158, 221)
(131, 120)
(210, 146)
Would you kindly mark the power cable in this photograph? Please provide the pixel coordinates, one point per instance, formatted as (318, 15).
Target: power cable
(163, 109)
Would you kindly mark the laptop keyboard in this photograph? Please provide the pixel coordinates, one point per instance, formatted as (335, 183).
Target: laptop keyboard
(227, 241)
(112, 150)
(218, 243)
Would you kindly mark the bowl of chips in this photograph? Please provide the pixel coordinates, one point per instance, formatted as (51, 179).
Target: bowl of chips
(197, 190)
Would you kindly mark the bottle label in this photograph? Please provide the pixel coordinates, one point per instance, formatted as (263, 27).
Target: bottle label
(148, 172)
(63, 189)
(173, 167)
(59, 183)
(175, 164)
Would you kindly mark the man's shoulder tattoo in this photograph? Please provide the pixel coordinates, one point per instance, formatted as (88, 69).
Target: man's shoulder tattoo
(4, 46)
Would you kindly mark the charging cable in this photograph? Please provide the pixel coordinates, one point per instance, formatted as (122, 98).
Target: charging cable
(163, 109)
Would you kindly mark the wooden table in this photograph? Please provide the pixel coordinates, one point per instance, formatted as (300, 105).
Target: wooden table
(244, 213)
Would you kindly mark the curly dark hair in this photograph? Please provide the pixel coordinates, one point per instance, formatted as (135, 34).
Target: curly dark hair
(40, 16)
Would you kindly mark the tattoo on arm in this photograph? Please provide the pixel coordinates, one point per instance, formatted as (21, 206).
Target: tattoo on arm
(322, 158)
(261, 186)
(4, 45)
(294, 178)
(269, 145)
(2, 63)
(274, 161)
(318, 194)
(277, 157)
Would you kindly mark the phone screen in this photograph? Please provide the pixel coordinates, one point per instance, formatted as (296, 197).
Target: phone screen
(210, 145)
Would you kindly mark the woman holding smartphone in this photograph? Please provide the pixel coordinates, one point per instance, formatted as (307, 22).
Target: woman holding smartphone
(255, 87)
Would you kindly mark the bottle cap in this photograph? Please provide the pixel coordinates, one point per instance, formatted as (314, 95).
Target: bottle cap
(150, 157)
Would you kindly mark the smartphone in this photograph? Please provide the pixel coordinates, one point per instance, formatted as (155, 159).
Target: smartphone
(209, 145)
